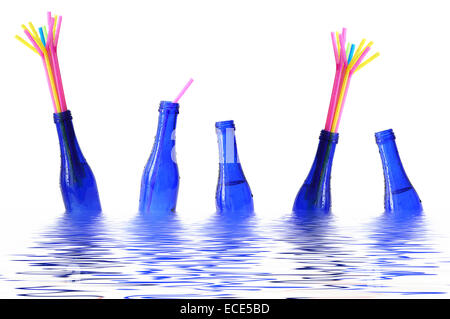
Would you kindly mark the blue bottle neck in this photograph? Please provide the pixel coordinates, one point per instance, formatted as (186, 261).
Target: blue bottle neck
(320, 172)
(78, 185)
(315, 194)
(70, 150)
(395, 176)
(165, 134)
(227, 143)
(233, 194)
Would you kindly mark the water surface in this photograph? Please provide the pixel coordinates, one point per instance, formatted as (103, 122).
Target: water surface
(252, 256)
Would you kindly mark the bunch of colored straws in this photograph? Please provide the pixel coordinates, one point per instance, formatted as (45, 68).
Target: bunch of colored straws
(348, 61)
(45, 44)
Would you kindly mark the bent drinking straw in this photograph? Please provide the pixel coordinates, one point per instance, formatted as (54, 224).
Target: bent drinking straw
(348, 62)
(77, 181)
(45, 43)
(186, 87)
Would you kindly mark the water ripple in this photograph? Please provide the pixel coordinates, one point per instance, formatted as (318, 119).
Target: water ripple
(294, 256)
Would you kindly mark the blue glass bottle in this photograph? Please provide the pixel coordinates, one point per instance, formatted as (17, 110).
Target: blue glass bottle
(78, 185)
(399, 194)
(315, 195)
(160, 180)
(233, 193)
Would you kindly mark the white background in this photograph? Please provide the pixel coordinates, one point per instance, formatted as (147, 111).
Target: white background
(268, 65)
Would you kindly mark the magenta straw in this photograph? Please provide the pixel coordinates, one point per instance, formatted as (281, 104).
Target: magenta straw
(335, 96)
(58, 28)
(360, 59)
(27, 33)
(59, 80)
(51, 46)
(332, 106)
(348, 83)
(343, 55)
(337, 77)
(333, 40)
(49, 16)
(343, 101)
(180, 95)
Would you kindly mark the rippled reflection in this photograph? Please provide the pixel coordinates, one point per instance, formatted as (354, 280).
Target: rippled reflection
(402, 247)
(322, 255)
(75, 252)
(296, 256)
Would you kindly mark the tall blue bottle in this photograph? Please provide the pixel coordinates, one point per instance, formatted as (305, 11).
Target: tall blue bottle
(233, 193)
(78, 185)
(315, 195)
(399, 194)
(160, 180)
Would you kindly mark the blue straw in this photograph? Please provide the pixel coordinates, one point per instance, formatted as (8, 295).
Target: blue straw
(352, 51)
(41, 33)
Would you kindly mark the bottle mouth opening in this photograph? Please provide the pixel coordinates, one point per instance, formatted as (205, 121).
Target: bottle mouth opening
(62, 116)
(168, 105)
(225, 124)
(385, 135)
(329, 136)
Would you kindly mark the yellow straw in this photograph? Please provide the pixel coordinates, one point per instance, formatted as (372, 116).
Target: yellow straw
(338, 45)
(34, 34)
(359, 54)
(47, 64)
(27, 44)
(52, 82)
(344, 83)
(338, 106)
(25, 28)
(373, 57)
(38, 40)
(358, 51)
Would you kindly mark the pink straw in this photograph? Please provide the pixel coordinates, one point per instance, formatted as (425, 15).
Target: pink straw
(27, 33)
(55, 65)
(348, 84)
(50, 25)
(360, 59)
(58, 27)
(332, 103)
(61, 94)
(51, 21)
(57, 77)
(45, 67)
(338, 88)
(183, 91)
(335, 97)
(340, 66)
(343, 54)
(333, 40)
(343, 101)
